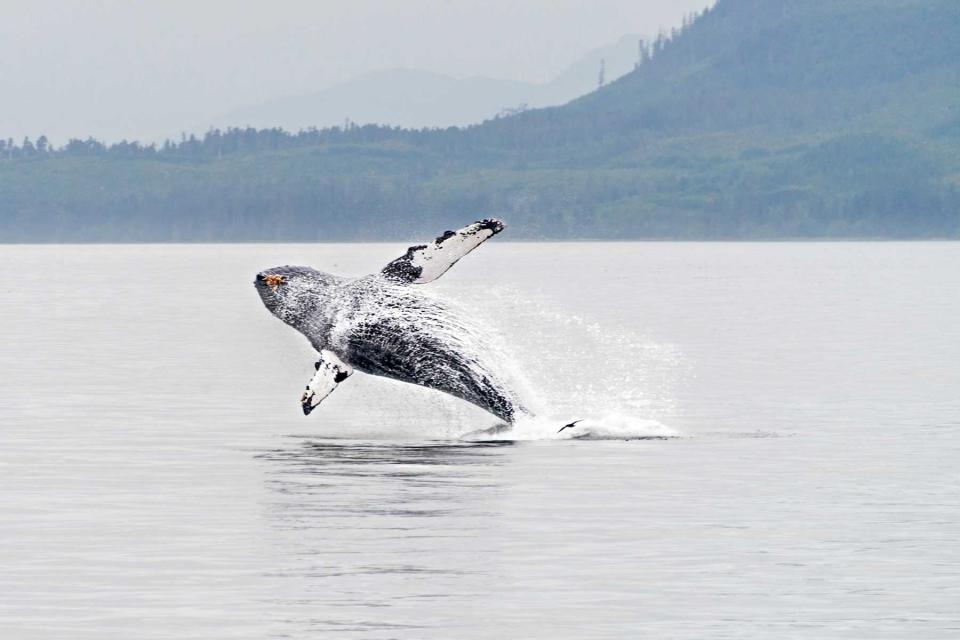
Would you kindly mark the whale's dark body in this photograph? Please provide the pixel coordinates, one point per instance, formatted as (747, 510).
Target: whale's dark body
(381, 325)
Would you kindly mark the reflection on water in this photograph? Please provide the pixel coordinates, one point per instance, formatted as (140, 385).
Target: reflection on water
(400, 480)
(320, 456)
(387, 526)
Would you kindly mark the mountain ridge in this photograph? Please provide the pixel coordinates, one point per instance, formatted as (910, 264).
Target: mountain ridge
(414, 98)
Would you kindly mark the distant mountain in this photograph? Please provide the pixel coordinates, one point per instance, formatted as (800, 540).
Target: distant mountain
(760, 119)
(416, 99)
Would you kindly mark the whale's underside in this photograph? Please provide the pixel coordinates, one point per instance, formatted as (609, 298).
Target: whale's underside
(386, 347)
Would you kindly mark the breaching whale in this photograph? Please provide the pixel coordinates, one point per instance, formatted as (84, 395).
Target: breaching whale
(382, 325)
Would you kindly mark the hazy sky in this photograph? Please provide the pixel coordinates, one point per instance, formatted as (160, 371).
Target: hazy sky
(113, 68)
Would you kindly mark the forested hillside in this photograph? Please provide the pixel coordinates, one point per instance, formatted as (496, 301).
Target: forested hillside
(759, 119)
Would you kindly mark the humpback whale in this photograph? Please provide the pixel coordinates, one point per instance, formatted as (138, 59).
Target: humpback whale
(382, 325)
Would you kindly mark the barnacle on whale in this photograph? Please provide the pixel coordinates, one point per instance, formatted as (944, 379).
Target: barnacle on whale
(274, 280)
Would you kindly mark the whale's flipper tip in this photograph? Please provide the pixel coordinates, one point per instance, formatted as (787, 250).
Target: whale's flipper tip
(493, 224)
(305, 404)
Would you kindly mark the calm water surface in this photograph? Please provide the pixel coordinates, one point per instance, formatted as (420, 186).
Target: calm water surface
(159, 481)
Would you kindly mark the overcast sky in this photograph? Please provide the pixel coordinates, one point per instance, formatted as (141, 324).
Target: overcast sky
(112, 68)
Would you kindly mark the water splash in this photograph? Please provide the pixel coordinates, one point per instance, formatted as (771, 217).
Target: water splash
(618, 383)
(609, 427)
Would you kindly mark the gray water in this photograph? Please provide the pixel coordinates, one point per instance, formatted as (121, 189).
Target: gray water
(159, 481)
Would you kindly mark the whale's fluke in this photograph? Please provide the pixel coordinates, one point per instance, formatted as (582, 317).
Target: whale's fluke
(426, 262)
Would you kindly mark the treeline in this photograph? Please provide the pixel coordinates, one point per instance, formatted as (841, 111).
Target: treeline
(848, 187)
(216, 143)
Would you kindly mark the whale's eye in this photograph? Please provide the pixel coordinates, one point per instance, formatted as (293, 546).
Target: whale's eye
(273, 281)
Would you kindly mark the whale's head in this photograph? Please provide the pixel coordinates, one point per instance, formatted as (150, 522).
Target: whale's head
(297, 295)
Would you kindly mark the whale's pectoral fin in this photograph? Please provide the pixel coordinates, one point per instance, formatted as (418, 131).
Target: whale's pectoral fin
(427, 262)
(331, 371)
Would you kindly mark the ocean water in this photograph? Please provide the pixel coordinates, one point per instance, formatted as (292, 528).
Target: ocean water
(159, 481)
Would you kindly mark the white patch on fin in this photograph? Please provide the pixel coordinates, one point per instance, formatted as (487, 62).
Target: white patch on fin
(427, 262)
(331, 371)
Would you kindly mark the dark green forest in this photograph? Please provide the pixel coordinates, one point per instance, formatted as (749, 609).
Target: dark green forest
(759, 119)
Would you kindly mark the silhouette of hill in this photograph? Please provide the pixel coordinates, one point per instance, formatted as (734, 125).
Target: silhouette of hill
(414, 99)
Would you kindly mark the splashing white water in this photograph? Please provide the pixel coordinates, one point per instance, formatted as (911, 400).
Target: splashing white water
(617, 384)
(610, 427)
